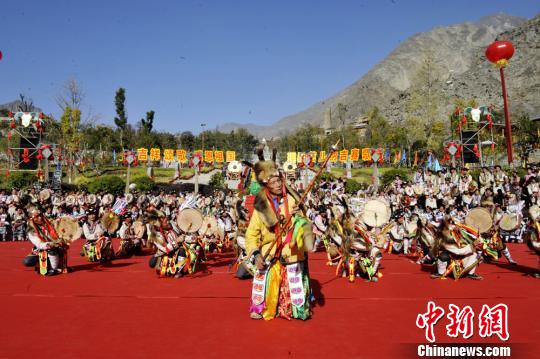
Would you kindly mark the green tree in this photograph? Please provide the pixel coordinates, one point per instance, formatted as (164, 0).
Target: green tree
(148, 124)
(121, 118)
(71, 136)
(378, 129)
(424, 104)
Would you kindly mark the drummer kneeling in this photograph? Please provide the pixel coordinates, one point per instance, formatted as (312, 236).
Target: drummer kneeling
(458, 257)
(49, 254)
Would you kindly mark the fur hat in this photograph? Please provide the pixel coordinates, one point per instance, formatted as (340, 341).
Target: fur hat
(264, 169)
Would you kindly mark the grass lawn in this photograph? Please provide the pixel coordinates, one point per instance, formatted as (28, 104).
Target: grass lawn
(161, 175)
(362, 175)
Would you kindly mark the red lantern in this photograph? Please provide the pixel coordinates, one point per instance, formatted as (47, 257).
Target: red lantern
(12, 124)
(475, 150)
(500, 52)
(9, 136)
(39, 156)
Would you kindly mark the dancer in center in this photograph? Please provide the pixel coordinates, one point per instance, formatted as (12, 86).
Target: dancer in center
(278, 247)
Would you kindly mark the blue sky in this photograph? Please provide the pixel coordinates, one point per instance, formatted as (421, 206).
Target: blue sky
(210, 62)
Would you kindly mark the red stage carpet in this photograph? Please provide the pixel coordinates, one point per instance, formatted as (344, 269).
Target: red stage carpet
(123, 310)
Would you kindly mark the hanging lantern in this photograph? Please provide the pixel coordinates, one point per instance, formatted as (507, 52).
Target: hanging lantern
(9, 135)
(12, 124)
(500, 52)
(475, 150)
(39, 156)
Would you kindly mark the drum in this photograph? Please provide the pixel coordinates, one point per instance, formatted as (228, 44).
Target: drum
(139, 229)
(376, 213)
(68, 229)
(241, 242)
(189, 220)
(534, 212)
(509, 222)
(289, 166)
(479, 219)
(234, 167)
(209, 226)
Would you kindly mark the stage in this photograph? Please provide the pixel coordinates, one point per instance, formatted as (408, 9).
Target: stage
(123, 310)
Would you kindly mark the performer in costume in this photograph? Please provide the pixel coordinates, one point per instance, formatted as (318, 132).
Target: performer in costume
(50, 253)
(457, 252)
(281, 284)
(130, 244)
(97, 247)
(172, 258)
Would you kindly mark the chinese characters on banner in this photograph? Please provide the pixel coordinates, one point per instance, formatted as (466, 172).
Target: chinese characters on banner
(366, 156)
(142, 154)
(334, 157)
(491, 321)
(168, 155)
(218, 155)
(155, 154)
(230, 156)
(343, 155)
(291, 157)
(322, 156)
(355, 154)
(181, 155)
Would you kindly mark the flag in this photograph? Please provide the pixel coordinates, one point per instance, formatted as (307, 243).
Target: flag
(437, 167)
(415, 158)
(114, 155)
(387, 155)
(429, 162)
(403, 158)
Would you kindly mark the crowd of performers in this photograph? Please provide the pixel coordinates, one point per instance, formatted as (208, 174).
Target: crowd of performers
(448, 221)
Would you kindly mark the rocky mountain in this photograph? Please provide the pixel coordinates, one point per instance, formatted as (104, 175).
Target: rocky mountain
(18, 105)
(462, 71)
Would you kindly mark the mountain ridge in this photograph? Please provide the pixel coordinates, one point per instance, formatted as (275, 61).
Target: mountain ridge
(458, 49)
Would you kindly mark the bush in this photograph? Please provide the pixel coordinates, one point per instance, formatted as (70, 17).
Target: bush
(82, 183)
(111, 184)
(326, 176)
(144, 184)
(207, 169)
(217, 180)
(390, 175)
(20, 180)
(352, 186)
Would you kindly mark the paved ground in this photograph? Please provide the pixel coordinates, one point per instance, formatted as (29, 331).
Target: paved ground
(123, 310)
